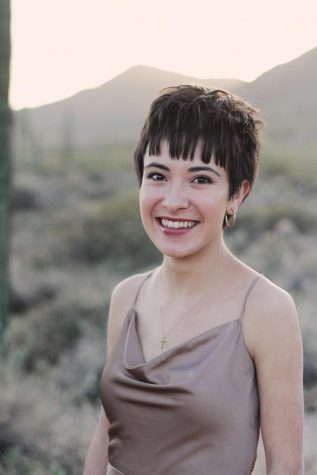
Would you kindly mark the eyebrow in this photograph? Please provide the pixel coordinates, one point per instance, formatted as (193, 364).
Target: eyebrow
(206, 169)
(191, 169)
(157, 165)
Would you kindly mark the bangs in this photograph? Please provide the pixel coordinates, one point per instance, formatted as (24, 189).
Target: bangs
(183, 146)
(192, 124)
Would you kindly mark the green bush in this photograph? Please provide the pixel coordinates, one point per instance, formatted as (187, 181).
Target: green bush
(111, 231)
(264, 218)
(39, 338)
(298, 166)
(15, 462)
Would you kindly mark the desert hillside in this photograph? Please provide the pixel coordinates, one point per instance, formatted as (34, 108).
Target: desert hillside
(115, 110)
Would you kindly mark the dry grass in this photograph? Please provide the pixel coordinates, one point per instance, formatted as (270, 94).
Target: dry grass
(44, 423)
(50, 415)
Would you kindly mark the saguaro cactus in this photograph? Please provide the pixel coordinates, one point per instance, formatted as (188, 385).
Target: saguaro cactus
(5, 158)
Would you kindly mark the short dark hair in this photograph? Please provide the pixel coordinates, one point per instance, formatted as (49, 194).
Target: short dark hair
(226, 126)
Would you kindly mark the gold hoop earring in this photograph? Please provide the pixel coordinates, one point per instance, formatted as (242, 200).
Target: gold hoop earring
(230, 219)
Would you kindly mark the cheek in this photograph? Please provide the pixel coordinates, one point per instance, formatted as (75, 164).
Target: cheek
(143, 199)
(214, 203)
(142, 206)
(149, 196)
(147, 200)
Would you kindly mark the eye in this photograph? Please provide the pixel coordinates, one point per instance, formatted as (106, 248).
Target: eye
(202, 180)
(155, 176)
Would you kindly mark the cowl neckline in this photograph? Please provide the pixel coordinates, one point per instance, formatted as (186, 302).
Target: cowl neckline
(133, 336)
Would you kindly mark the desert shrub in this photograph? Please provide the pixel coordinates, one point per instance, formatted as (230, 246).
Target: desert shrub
(284, 255)
(41, 336)
(78, 372)
(310, 400)
(43, 423)
(299, 166)
(24, 199)
(310, 368)
(264, 218)
(105, 157)
(21, 302)
(110, 231)
(15, 461)
(310, 357)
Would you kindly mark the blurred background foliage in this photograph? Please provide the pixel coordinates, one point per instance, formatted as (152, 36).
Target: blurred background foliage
(76, 233)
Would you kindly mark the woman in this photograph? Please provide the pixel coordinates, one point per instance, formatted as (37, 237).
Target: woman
(203, 350)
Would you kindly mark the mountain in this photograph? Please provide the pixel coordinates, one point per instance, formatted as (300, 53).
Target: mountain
(287, 98)
(113, 111)
(116, 110)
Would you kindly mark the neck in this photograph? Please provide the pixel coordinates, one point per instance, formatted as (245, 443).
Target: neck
(190, 275)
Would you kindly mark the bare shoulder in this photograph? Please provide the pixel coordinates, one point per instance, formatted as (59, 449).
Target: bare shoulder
(270, 318)
(122, 299)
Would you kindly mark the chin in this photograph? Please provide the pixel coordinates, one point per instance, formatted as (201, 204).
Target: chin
(177, 253)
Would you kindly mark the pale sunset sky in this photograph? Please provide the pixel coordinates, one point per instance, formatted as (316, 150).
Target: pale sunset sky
(60, 47)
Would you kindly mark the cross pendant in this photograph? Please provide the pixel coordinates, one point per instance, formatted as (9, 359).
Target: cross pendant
(163, 341)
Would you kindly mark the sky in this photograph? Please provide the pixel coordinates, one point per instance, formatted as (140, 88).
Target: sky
(60, 47)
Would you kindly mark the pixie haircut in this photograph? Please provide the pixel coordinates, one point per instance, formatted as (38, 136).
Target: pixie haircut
(226, 126)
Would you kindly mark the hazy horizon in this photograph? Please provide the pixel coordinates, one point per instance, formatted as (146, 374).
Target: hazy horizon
(59, 49)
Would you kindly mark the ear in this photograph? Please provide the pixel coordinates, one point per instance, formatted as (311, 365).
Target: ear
(236, 200)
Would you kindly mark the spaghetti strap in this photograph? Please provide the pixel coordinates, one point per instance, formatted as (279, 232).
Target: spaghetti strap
(244, 304)
(140, 287)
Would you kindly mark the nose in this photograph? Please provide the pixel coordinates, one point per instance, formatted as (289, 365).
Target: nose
(175, 198)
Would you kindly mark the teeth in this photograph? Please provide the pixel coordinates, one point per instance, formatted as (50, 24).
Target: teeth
(177, 224)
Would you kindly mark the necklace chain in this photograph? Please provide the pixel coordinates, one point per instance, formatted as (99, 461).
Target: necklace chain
(163, 340)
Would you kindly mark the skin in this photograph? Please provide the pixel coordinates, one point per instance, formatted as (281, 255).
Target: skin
(172, 190)
(201, 271)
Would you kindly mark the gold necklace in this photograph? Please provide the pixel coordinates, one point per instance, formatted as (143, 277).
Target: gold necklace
(163, 339)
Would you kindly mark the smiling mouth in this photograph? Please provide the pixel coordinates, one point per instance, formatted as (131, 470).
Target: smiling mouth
(172, 224)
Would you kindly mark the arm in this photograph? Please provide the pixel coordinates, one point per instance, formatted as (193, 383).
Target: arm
(97, 456)
(278, 357)
(121, 299)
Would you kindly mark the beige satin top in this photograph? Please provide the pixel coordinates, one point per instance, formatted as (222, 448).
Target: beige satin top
(192, 410)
